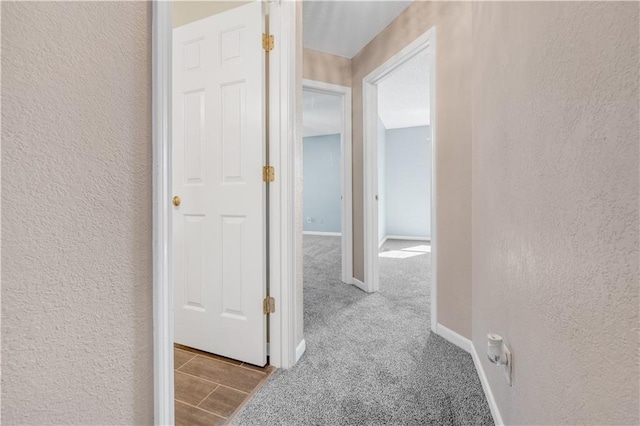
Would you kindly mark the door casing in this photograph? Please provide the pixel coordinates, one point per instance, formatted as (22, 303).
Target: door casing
(282, 130)
(370, 148)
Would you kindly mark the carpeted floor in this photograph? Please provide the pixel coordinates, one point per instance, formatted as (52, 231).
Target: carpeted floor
(370, 358)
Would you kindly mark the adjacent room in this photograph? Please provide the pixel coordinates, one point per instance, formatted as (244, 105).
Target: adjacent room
(404, 179)
(322, 145)
(370, 356)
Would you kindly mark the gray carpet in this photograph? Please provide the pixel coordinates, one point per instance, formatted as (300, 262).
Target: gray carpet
(370, 358)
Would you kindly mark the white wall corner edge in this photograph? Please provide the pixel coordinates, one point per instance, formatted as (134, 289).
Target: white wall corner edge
(467, 345)
(302, 346)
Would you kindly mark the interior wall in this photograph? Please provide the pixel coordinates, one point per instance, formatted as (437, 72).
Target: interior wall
(555, 207)
(327, 68)
(322, 183)
(453, 139)
(187, 11)
(77, 332)
(408, 182)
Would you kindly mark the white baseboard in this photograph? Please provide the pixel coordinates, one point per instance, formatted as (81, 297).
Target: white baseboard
(455, 338)
(381, 243)
(467, 345)
(326, 234)
(404, 237)
(302, 346)
(358, 284)
(493, 406)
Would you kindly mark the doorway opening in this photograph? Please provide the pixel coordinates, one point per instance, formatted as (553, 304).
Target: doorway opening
(400, 171)
(327, 192)
(211, 202)
(326, 167)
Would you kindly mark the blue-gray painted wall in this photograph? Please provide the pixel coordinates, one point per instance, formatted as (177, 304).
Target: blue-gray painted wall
(321, 185)
(408, 181)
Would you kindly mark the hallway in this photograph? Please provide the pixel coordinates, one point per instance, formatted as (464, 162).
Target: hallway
(370, 358)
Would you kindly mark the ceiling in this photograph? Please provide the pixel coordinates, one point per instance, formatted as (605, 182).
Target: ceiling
(321, 114)
(403, 101)
(403, 96)
(343, 28)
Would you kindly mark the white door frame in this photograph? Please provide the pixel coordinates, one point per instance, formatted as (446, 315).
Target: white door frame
(282, 81)
(345, 170)
(370, 126)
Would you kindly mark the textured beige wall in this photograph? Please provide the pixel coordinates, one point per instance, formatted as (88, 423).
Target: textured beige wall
(76, 217)
(453, 145)
(555, 207)
(187, 11)
(327, 68)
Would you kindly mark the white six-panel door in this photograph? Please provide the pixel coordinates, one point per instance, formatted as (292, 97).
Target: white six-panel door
(218, 154)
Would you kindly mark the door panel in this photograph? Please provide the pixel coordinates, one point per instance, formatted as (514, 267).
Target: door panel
(218, 153)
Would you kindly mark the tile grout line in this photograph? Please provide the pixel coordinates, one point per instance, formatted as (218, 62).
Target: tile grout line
(247, 396)
(250, 395)
(221, 360)
(215, 383)
(201, 409)
(208, 395)
(178, 369)
(206, 355)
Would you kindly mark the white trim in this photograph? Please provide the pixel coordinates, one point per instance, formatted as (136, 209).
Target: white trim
(455, 338)
(345, 169)
(163, 400)
(326, 234)
(468, 346)
(302, 346)
(282, 128)
(358, 284)
(370, 183)
(282, 21)
(431, 35)
(370, 148)
(493, 406)
(404, 237)
(381, 243)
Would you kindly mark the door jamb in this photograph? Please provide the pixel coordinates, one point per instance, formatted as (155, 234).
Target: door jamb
(345, 170)
(370, 147)
(163, 395)
(282, 128)
(282, 103)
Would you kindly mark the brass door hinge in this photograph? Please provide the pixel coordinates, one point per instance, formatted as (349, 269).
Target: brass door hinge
(268, 174)
(269, 305)
(267, 42)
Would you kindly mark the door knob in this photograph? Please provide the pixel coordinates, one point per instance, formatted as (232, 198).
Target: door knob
(176, 201)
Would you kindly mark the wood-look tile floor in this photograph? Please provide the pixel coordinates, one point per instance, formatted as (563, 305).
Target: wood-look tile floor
(210, 389)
